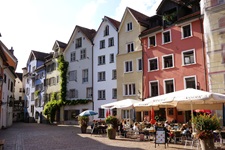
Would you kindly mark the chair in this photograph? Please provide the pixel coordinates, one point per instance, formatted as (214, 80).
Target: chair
(177, 136)
(222, 136)
(193, 142)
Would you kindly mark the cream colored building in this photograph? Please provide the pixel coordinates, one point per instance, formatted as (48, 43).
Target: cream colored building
(129, 59)
(214, 27)
(53, 75)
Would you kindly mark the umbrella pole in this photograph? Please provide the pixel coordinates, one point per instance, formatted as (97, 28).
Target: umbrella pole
(192, 117)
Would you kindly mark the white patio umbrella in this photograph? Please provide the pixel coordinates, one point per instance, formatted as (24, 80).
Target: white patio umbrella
(197, 99)
(122, 104)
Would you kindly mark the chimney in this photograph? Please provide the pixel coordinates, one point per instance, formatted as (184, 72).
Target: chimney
(11, 50)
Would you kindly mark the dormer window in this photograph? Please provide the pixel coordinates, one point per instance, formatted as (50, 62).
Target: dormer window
(106, 31)
(129, 26)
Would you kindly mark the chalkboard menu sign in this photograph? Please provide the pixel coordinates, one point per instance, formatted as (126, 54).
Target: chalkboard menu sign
(160, 136)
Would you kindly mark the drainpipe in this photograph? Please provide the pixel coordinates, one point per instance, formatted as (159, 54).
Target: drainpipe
(204, 54)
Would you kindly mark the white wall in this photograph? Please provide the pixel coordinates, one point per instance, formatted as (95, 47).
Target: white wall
(108, 84)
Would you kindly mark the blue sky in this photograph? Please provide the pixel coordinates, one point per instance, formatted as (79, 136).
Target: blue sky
(35, 24)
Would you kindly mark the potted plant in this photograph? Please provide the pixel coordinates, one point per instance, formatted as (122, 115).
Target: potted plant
(113, 123)
(83, 122)
(205, 125)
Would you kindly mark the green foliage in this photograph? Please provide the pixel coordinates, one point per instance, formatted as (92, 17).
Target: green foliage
(75, 102)
(36, 93)
(113, 121)
(63, 68)
(83, 120)
(206, 124)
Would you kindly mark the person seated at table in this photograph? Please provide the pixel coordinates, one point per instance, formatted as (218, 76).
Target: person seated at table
(166, 124)
(184, 127)
(135, 128)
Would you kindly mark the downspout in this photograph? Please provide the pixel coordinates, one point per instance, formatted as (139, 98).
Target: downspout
(204, 53)
(92, 75)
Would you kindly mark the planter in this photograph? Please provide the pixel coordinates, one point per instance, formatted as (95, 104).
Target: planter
(111, 133)
(83, 129)
(207, 144)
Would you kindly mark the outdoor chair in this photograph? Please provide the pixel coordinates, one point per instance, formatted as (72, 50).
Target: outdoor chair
(222, 136)
(177, 137)
(193, 142)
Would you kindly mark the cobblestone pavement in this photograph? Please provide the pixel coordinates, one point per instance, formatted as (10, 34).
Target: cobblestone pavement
(30, 136)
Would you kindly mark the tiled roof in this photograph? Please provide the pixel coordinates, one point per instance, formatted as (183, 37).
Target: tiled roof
(90, 33)
(40, 55)
(141, 18)
(61, 44)
(114, 22)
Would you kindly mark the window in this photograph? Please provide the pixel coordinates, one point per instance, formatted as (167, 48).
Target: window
(101, 94)
(72, 56)
(83, 54)
(190, 82)
(106, 31)
(188, 57)
(73, 93)
(154, 88)
(101, 113)
(85, 75)
(114, 74)
(139, 64)
(186, 31)
(166, 37)
(128, 66)
(129, 89)
(129, 26)
(11, 87)
(57, 80)
(151, 41)
(102, 44)
(78, 42)
(73, 75)
(153, 64)
(169, 86)
(168, 61)
(170, 111)
(101, 60)
(130, 47)
(32, 96)
(89, 92)
(111, 42)
(114, 93)
(101, 76)
(111, 58)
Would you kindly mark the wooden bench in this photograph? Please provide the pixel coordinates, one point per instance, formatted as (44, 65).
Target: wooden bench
(2, 142)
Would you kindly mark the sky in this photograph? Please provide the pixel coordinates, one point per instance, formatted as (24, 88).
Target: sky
(29, 25)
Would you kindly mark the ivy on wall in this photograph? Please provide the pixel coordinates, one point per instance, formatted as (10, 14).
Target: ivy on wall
(53, 105)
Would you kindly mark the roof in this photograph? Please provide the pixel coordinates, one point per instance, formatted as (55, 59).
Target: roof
(141, 18)
(20, 76)
(61, 44)
(89, 33)
(2, 54)
(114, 22)
(39, 55)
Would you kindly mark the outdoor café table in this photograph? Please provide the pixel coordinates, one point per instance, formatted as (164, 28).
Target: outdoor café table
(151, 132)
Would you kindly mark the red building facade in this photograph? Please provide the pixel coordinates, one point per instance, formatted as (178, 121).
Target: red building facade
(174, 54)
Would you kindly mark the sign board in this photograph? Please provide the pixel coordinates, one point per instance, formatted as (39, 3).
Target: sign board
(160, 136)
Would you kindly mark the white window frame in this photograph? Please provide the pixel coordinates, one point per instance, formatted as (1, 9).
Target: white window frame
(129, 92)
(101, 76)
(130, 68)
(129, 26)
(84, 76)
(106, 31)
(182, 31)
(72, 56)
(102, 44)
(138, 63)
(163, 42)
(78, 42)
(111, 42)
(89, 92)
(83, 54)
(149, 45)
(164, 84)
(149, 64)
(114, 95)
(111, 58)
(74, 77)
(163, 64)
(150, 90)
(185, 77)
(183, 60)
(101, 94)
(131, 44)
(101, 60)
(114, 76)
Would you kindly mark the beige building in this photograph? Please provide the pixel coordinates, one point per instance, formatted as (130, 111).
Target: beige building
(214, 26)
(52, 83)
(129, 59)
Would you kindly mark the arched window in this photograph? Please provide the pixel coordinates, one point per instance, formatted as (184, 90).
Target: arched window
(106, 31)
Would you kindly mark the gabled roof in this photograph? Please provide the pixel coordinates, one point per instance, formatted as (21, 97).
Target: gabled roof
(61, 44)
(2, 54)
(114, 22)
(20, 76)
(39, 55)
(89, 33)
(139, 17)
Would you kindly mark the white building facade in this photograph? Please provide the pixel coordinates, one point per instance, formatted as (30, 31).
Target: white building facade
(104, 65)
(79, 82)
